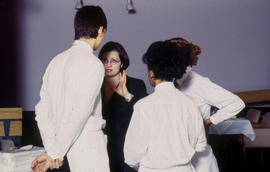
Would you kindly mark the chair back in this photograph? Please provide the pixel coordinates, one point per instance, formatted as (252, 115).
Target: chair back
(265, 120)
(253, 115)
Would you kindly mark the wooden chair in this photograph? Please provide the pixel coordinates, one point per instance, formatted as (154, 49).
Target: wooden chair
(11, 123)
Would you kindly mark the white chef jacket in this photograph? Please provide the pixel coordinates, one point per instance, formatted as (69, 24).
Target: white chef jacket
(207, 94)
(70, 101)
(166, 129)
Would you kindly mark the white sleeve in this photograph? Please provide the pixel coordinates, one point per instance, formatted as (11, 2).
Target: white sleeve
(228, 103)
(83, 84)
(43, 121)
(136, 139)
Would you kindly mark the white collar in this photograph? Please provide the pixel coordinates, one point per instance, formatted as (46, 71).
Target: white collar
(83, 45)
(164, 85)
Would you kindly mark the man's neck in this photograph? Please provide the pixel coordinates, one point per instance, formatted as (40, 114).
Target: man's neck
(89, 41)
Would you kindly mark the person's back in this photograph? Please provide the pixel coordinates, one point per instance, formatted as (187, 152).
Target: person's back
(166, 127)
(174, 124)
(69, 111)
(206, 94)
(67, 66)
(204, 91)
(190, 87)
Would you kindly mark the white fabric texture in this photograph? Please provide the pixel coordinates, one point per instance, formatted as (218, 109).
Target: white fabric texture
(207, 94)
(166, 129)
(89, 154)
(234, 126)
(205, 161)
(70, 102)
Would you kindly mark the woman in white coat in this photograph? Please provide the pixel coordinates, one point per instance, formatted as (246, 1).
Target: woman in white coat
(207, 94)
(166, 127)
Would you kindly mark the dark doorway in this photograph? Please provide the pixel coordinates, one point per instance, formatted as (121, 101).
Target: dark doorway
(9, 53)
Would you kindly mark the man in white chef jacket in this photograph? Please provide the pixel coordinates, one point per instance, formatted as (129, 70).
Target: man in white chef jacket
(69, 111)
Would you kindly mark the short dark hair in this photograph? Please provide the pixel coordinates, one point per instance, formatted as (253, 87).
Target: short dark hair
(115, 46)
(166, 60)
(88, 20)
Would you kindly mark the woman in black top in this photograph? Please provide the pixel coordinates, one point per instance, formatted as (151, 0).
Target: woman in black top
(119, 93)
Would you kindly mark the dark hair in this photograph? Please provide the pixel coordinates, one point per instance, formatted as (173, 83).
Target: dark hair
(195, 49)
(115, 46)
(166, 60)
(88, 20)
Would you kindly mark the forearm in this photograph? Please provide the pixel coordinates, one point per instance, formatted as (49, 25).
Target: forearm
(228, 111)
(45, 127)
(47, 134)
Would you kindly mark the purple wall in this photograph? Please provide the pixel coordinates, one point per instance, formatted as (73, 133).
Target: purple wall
(233, 36)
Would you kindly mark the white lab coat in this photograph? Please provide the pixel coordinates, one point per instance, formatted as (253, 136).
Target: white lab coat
(207, 94)
(166, 129)
(69, 111)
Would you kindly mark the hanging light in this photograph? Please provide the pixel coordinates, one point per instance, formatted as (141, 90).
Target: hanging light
(130, 7)
(79, 4)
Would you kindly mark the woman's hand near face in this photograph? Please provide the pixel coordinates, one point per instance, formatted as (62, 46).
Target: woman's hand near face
(121, 89)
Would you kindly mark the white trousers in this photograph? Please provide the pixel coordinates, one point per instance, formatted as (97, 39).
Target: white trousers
(89, 153)
(180, 168)
(205, 161)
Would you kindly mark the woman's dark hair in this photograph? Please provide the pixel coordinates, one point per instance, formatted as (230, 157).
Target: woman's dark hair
(88, 20)
(166, 60)
(115, 46)
(195, 49)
